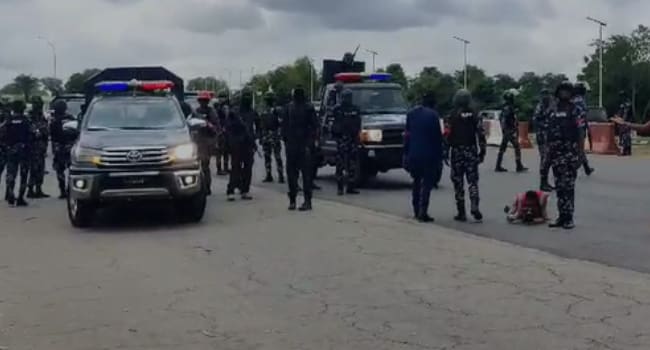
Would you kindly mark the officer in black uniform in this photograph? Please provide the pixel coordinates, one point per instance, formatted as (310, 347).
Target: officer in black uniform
(62, 143)
(299, 132)
(243, 157)
(624, 132)
(206, 139)
(17, 134)
(4, 114)
(40, 129)
(510, 131)
(223, 153)
(241, 144)
(540, 118)
(563, 152)
(466, 140)
(346, 128)
(271, 139)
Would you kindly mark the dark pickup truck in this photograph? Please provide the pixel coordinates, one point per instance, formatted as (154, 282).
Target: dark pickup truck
(383, 110)
(134, 145)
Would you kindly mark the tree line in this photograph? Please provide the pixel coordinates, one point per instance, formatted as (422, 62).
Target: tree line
(626, 60)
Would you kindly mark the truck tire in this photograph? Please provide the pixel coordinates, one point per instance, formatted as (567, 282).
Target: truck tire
(366, 174)
(80, 213)
(191, 210)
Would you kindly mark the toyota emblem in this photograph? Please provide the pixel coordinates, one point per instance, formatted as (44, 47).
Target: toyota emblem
(134, 156)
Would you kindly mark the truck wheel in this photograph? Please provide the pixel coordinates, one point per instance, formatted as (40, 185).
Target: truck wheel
(365, 175)
(192, 210)
(80, 212)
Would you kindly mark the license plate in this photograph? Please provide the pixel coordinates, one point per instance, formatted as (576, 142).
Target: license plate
(134, 181)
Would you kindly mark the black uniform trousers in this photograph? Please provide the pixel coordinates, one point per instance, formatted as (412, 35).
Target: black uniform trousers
(299, 163)
(241, 171)
(17, 163)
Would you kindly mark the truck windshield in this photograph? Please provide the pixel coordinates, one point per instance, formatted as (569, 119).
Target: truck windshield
(379, 100)
(134, 114)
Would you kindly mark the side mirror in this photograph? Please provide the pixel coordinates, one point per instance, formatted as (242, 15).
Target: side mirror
(71, 126)
(196, 123)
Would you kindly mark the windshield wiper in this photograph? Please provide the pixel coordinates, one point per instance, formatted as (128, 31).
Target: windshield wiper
(140, 128)
(98, 128)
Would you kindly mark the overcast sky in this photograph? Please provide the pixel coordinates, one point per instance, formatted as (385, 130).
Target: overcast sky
(198, 37)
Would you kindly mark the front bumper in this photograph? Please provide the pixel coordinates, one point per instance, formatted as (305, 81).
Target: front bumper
(107, 185)
(382, 157)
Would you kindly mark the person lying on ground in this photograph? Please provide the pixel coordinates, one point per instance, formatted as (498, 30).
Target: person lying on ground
(528, 208)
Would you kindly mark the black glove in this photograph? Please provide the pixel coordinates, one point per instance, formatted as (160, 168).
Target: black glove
(481, 156)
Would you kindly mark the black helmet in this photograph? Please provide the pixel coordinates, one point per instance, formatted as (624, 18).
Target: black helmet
(545, 91)
(299, 94)
(59, 106)
(509, 95)
(338, 86)
(462, 98)
(581, 88)
(36, 100)
(18, 106)
(346, 96)
(269, 97)
(223, 95)
(429, 99)
(564, 86)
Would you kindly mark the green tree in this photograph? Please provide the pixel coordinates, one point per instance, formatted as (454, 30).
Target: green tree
(284, 79)
(475, 76)
(26, 85)
(398, 75)
(431, 79)
(75, 83)
(53, 85)
(207, 83)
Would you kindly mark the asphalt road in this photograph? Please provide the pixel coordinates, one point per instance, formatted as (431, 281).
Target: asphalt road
(612, 214)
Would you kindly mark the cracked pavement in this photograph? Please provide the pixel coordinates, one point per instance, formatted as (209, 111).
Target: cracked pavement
(254, 276)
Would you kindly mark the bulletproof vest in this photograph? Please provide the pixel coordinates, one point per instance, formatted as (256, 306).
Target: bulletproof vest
(509, 116)
(57, 134)
(18, 130)
(563, 124)
(248, 118)
(40, 126)
(298, 128)
(270, 120)
(541, 116)
(347, 121)
(463, 128)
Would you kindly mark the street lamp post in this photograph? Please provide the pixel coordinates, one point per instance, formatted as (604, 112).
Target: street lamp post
(51, 45)
(311, 79)
(374, 54)
(465, 43)
(601, 25)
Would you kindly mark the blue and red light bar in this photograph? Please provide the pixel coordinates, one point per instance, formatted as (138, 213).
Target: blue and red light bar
(122, 86)
(362, 77)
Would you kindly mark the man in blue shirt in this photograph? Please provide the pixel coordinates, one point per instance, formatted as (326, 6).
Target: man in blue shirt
(423, 153)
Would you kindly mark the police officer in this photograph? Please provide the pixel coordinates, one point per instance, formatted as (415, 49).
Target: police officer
(580, 90)
(243, 152)
(223, 153)
(564, 148)
(346, 128)
(206, 139)
(17, 134)
(540, 118)
(4, 114)
(625, 133)
(510, 131)
(423, 151)
(466, 139)
(299, 132)
(270, 138)
(61, 144)
(40, 130)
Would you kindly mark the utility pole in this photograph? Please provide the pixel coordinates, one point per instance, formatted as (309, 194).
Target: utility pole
(374, 54)
(53, 48)
(311, 79)
(465, 43)
(601, 25)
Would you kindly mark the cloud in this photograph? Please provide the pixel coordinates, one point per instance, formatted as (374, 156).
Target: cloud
(230, 37)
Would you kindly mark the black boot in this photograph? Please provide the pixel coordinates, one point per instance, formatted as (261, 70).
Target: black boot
(31, 193)
(292, 203)
(568, 224)
(589, 170)
(520, 167)
(499, 168)
(352, 190)
(545, 186)
(63, 193)
(10, 198)
(478, 216)
(268, 178)
(462, 215)
(306, 206)
(425, 218)
(21, 202)
(281, 178)
(341, 190)
(558, 223)
(40, 193)
(315, 187)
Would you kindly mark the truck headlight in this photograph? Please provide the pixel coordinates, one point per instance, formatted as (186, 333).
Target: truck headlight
(372, 135)
(184, 152)
(84, 155)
